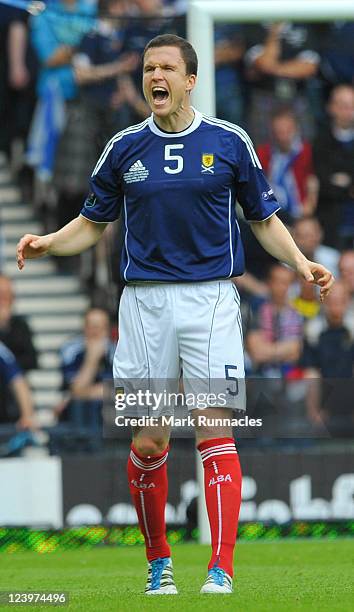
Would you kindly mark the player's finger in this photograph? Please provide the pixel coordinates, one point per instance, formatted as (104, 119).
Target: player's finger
(322, 281)
(326, 288)
(306, 273)
(309, 277)
(326, 277)
(19, 254)
(35, 244)
(24, 241)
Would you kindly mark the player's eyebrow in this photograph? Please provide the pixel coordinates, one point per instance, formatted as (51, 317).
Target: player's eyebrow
(162, 66)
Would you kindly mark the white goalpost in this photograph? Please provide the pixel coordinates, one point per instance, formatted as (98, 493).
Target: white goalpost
(201, 16)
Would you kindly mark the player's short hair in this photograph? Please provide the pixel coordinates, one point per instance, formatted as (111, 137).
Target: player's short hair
(171, 40)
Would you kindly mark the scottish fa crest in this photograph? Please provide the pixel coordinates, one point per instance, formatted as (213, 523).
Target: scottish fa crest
(208, 163)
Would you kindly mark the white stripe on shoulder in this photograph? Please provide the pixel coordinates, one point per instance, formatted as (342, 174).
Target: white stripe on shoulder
(131, 130)
(231, 127)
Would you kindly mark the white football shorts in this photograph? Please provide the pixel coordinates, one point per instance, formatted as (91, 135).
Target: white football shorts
(173, 330)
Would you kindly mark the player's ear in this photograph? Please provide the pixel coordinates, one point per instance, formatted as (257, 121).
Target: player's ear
(191, 82)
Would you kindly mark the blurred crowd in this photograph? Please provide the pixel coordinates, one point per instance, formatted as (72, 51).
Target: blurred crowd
(70, 78)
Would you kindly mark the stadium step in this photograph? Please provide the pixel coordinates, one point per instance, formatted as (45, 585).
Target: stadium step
(32, 269)
(16, 230)
(44, 324)
(50, 379)
(50, 342)
(64, 303)
(5, 176)
(49, 360)
(44, 398)
(15, 212)
(49, 286)
(10, 195)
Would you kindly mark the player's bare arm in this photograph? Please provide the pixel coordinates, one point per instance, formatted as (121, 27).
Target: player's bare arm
(75, 237)
(276, 240)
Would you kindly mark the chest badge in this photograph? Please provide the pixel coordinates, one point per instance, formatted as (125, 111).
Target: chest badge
(208, 163)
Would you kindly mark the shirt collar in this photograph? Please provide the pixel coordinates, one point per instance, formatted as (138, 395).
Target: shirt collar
(191, 128)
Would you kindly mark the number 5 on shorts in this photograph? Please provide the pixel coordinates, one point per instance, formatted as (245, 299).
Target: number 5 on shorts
(229, 368)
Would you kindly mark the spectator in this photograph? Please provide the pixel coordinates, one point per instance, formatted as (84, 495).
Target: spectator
(229, 89)
(55, 34)
(308, 236)
(329, 356)
(151, 18)
(15, 332)
(15, 396)
(17, 77)
(346, 274)
(279, 68)
(334, 167)
(287, 161)
(337, 63)
(91, 119)
(346, 270)
(86, 364)
(274, 342)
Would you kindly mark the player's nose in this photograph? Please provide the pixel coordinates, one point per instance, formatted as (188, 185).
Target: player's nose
(157, 74)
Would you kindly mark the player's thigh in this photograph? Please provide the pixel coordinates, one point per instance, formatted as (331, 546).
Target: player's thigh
(212, 353)
(146, 362)
(147, 346)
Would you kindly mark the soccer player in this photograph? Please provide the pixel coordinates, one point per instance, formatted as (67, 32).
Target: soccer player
(175, 178)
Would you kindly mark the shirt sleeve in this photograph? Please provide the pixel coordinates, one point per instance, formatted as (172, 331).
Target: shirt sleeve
(253, 191)
(9, 368)
(104, 202)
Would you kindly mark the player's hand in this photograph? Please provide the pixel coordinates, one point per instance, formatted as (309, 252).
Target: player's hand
(317, 274)
(30, 247)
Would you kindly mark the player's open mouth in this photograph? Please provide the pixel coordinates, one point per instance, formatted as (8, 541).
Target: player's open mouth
(160, 95)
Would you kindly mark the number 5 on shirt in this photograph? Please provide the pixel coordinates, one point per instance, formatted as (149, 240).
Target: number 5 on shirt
(173, 158)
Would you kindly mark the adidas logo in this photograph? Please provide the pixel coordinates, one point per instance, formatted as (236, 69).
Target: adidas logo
(137, 166)
(137, 172)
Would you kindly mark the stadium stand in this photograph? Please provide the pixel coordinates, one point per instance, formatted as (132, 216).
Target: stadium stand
(53, 305)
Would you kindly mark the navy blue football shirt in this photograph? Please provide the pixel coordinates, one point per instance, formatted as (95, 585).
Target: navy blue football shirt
(177, 192)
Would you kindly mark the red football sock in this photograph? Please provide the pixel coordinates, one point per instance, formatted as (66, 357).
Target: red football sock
(148, 487)
(222, 485)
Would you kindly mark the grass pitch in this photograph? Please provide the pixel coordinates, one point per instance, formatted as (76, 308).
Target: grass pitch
(277, 576)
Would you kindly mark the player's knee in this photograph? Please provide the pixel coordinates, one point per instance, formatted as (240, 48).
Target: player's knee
(205, 433)
(149, 447)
